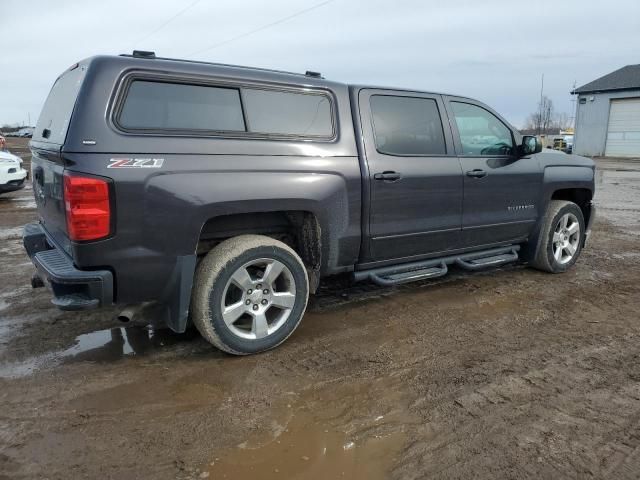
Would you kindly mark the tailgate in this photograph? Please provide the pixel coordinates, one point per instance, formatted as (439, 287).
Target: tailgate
(47, 166)
(47, 169)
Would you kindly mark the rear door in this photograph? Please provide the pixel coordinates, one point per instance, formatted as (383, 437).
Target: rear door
(46, 164)
(414, 176)
(502, 192)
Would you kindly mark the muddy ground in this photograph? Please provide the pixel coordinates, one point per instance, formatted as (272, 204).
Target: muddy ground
(510, 373)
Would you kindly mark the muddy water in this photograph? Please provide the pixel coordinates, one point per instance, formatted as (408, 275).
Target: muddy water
(335, 431)
(108, 345)
(306, 449)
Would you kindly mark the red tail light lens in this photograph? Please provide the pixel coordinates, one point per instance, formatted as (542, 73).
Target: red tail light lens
(86, 202)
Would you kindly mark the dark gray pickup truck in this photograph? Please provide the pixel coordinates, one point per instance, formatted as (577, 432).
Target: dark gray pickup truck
(224, 194)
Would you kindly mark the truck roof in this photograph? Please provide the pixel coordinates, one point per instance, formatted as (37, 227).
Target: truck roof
(196, 67)
(152, 56)
(309, 77)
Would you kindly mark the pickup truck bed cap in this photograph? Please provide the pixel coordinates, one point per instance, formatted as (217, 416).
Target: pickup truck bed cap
(317, 77)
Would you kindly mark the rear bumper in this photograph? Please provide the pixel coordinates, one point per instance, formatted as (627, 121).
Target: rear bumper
(72, 289)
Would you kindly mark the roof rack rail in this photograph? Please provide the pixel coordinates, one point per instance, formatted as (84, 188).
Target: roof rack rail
(146, 54)
(143, 54)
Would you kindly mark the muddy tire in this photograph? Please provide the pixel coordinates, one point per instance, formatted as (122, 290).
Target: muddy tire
(250, 293)
(561, 237)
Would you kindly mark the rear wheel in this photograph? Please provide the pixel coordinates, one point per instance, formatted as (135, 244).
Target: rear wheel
(250, 294)
(561, 237)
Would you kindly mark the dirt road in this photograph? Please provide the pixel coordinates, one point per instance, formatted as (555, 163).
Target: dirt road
(508, 374)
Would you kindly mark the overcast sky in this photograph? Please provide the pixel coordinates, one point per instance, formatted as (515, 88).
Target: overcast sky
(493, 50)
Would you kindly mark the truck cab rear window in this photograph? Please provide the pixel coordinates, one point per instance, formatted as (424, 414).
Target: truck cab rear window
(176, 106)
(166, 107)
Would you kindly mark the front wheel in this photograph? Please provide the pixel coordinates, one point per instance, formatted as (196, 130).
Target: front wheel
(249, 295)
(561, 237)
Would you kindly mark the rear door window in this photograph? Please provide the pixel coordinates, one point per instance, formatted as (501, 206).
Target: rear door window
(407, 126)
(174, 106)
(54, 119)
(288, 113)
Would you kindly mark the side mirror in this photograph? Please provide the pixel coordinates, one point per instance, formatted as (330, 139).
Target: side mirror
(530, 145)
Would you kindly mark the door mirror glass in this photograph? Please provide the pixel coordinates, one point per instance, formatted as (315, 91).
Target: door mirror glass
(530, 145)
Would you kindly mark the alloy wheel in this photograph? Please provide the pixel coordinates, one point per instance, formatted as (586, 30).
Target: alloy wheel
(258, 298)
(566, 238)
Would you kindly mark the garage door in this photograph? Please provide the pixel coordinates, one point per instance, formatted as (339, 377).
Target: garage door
(623, 134)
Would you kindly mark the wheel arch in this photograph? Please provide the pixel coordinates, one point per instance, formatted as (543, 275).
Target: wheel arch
(546, 253)
(577, 189)
(299, 229)
(580, 196)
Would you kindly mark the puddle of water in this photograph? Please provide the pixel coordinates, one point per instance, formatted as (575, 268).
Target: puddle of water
(352, 430)
(307, 449)
(115, 343)
(101, 346)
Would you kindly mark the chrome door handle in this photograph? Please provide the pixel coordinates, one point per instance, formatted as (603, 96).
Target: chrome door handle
(476, 173)
(387, 176)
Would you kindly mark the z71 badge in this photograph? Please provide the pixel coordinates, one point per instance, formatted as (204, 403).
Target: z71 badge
(136, 163)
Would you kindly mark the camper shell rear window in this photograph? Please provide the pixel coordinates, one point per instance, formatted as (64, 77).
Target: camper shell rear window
(54, 119)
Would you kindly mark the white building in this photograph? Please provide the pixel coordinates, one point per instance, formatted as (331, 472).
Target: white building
(608, 115)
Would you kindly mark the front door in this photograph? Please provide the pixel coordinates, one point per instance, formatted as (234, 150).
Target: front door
(501, 191)
(415, 179)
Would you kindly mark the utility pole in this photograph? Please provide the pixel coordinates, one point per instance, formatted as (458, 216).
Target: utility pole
(540, 106)
(572, 119)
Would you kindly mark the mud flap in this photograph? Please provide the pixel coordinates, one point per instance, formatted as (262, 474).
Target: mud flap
(529, 248)
(177, 295)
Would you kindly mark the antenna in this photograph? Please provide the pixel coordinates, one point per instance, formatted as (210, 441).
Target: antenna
(572, 118)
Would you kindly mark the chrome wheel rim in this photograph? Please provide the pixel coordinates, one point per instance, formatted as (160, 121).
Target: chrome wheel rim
(566, 238)
(258, 298)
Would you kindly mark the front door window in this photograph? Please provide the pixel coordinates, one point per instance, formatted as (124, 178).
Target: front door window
(481, 132)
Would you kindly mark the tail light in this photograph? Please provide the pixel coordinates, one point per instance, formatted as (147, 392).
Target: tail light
(87, 206)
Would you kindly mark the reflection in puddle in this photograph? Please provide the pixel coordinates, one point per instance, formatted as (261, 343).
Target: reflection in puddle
(101, 346)
(307, 449)
(109, 345)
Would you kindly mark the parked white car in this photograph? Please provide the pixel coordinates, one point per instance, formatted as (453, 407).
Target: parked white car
(12, 175)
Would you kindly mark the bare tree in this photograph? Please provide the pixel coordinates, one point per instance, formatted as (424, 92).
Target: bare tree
(562, 121)
(542, 119)
(545, 114)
